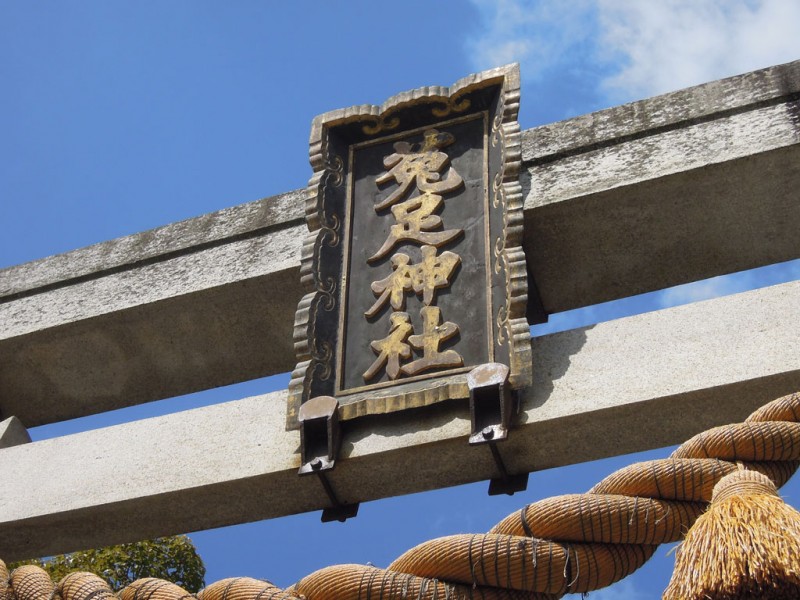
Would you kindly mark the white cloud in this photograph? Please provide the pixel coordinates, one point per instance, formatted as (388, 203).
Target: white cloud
(672, 44)
(535, 33)
(646, 47)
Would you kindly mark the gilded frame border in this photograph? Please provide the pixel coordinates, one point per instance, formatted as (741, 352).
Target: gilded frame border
(316, 368)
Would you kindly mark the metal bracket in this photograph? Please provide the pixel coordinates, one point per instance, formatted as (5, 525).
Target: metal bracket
(320, 438)
(491, 406)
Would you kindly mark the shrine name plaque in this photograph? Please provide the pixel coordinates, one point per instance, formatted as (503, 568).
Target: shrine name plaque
(413, 267)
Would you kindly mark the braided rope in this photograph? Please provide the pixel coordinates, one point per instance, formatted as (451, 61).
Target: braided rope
(84, 586)
(564, 544)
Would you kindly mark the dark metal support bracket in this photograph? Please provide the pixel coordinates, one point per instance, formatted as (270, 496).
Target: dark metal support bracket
(491, 406)
(320, 438)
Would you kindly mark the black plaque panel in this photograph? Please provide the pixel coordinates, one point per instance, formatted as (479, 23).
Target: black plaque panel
(464, 301)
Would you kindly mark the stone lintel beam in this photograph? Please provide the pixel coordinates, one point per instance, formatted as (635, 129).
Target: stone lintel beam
(656, 193)
(622, 386)
(673, 189)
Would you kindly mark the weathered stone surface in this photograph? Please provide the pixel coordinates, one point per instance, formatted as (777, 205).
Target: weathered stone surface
(661, 209)
(13, 433)
(162, 243)
(636, 198)
(680, 109)
(620, 386)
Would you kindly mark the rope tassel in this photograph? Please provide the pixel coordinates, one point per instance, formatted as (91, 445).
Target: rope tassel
(747, 545)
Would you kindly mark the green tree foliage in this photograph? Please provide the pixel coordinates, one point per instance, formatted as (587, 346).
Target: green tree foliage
(172, 558)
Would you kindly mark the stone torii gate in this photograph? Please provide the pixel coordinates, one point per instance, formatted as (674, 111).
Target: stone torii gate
(657, 193)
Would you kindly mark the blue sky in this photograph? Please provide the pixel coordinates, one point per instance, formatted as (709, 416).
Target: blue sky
(119, 117)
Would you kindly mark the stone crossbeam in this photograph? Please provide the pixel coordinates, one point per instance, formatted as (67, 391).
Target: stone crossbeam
(673, 189)
(621, 386)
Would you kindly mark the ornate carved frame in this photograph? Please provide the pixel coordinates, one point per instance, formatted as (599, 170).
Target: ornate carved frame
(317, 328)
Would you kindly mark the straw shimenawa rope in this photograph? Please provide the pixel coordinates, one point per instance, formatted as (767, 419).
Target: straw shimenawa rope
(565, 544)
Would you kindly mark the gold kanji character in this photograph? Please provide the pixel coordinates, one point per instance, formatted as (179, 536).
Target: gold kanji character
(434, 272)
(423, 167)
(416, 222)
(392, 348)
(434, 333)
(394, 287)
